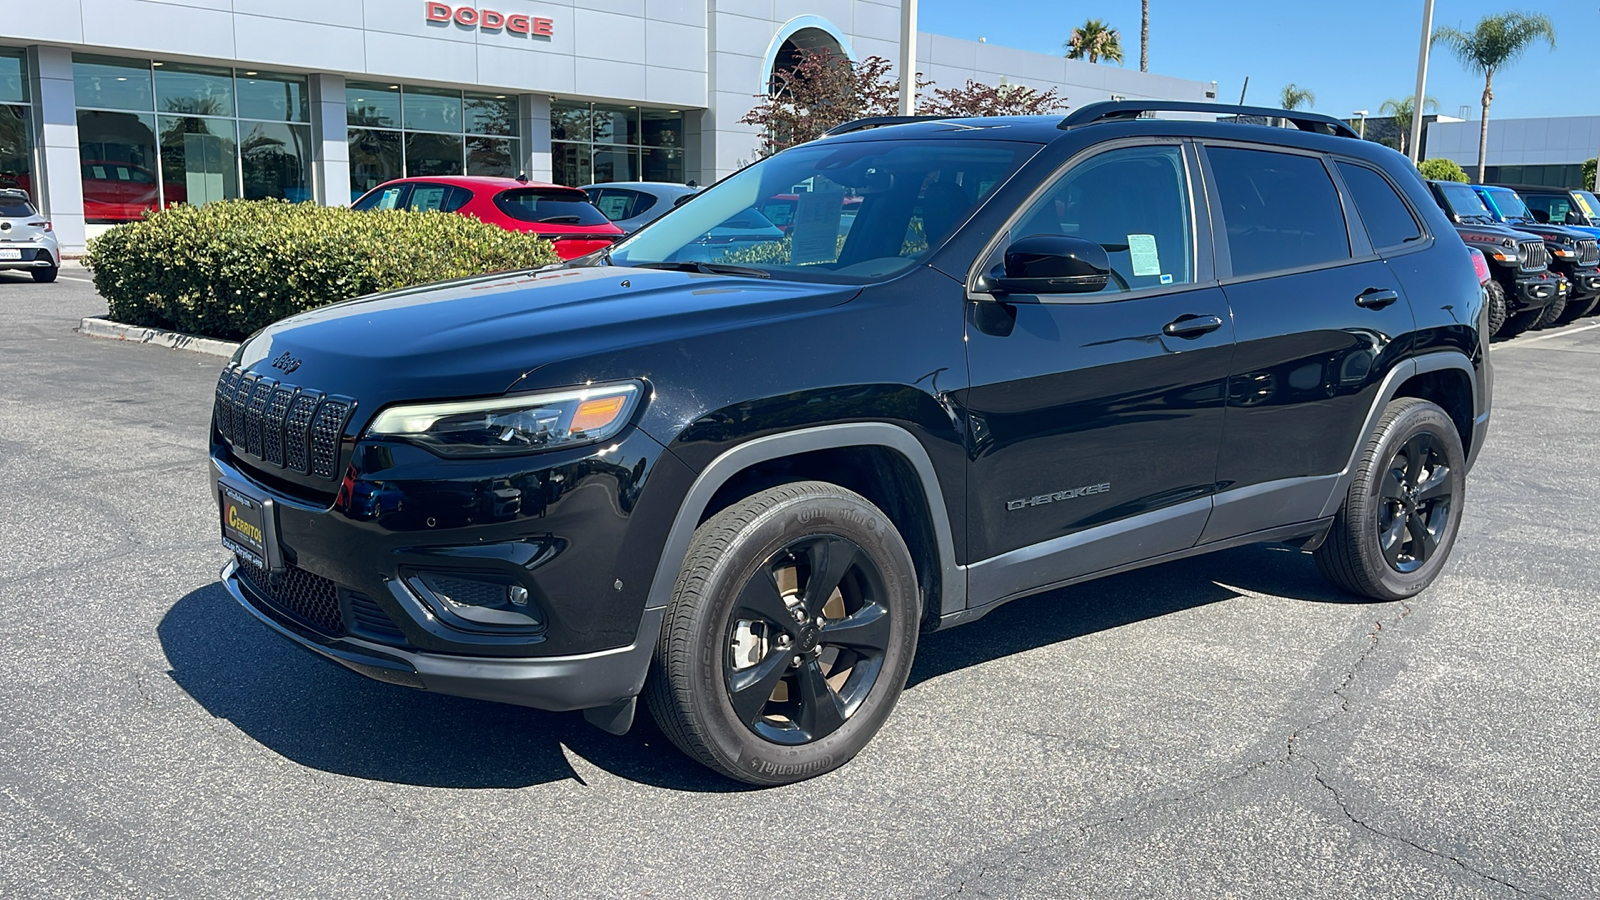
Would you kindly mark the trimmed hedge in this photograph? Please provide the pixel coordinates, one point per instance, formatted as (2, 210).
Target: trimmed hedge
(228, 269)
(1442, 170)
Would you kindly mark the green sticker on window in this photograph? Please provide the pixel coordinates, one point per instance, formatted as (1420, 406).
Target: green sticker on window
(1142, 251)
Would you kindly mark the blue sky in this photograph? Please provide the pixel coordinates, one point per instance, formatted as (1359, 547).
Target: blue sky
(1353, 54)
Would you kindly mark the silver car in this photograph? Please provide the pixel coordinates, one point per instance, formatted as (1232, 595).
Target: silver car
(26, 239)
(633, 204)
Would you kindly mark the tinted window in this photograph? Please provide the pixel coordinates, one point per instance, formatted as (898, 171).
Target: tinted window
(1549, 207)
(1389, 221)
(426, 197)
(391, 197)
(618, 204)
(1462, 200)
(458, 198)
(12, 207)
(1135, 204)
(547, 207)
(1281, 210)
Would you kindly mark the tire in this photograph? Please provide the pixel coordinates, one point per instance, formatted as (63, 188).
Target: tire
(1497, 306)
(45, 276)
(1394, 531)
(1517, 323)
(1552, 313)
(732, 623)
(1577, 309)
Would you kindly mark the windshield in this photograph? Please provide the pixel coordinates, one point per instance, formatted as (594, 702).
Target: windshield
(1464, 201)
(1511, 206)
(849, 212)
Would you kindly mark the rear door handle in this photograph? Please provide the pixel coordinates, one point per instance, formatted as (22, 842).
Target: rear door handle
(1191, 326)
(1376, 298)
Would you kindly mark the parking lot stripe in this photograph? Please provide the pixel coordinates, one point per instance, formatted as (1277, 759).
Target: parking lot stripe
(1545, 337)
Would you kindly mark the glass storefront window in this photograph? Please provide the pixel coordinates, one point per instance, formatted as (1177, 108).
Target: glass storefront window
(276, 160)
(572, 164)
(432, 109)
(193, 90)
(118, 154)
(375, 157)
(596, 144)
(199, 160)
(274, 98)
(13, 77)
(490, 114)
(432, 154)
(372, 105)
(16, 150)
(102, 82)
(491, 156)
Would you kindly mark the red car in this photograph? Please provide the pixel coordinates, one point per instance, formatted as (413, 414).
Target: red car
(562, 215)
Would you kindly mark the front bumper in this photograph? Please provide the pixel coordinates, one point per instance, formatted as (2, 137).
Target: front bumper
(1534, 291)
(558, 683)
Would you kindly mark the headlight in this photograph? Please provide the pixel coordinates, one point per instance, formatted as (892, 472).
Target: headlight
(524, 423)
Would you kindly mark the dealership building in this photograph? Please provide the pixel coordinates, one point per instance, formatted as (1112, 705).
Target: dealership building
(108, 107)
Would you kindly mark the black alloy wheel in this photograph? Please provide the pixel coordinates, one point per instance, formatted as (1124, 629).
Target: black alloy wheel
(806, 640)
(789, 636)
(1417, 498)
(1393, 533)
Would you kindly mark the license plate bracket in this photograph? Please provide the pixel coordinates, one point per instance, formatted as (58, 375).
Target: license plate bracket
(249, 524)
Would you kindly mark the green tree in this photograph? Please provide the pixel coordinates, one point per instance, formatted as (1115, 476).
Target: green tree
(1297, 97)
(1094, 40)
(1496, 42)
(1400, 110)
(1442, 170)
(1588, 174)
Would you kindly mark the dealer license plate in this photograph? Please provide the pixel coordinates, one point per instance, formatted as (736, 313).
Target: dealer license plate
(244, 525)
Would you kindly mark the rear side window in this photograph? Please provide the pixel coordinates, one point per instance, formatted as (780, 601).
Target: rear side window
(1389, 221)
(1281, 210)
(15, 208)
(618, 204)
(549, 207)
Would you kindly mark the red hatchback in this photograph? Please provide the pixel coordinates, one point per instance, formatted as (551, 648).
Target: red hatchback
(562, 215)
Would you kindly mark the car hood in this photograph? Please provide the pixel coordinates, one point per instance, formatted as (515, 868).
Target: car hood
(479, 336)
(1547, 232)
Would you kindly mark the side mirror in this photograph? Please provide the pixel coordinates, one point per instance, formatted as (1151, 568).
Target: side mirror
(1053, 264)
(1574, 218)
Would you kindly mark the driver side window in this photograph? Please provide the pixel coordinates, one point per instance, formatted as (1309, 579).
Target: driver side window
(1134, 202)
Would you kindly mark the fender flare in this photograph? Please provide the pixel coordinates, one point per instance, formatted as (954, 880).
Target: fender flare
(952, 595)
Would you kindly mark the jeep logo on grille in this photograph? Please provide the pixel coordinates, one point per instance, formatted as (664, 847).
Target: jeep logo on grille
(286, 362)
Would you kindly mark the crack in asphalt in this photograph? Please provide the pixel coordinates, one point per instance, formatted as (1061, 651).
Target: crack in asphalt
(1289, 757)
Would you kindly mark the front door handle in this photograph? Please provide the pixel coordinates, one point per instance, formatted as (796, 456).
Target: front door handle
(1376, 298)
(1191, 326)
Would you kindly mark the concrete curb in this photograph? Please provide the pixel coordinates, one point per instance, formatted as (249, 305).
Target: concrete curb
(105, 328)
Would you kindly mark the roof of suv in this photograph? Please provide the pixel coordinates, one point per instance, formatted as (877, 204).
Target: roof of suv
(481, 182)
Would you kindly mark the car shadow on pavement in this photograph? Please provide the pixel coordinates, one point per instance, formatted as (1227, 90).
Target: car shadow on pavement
(1118, 600)
(318, 714)
(322, 716)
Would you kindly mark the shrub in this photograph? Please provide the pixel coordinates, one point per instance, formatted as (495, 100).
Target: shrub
(228, 269)
(1442, 170)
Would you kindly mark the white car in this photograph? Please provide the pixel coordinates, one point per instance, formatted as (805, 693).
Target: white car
(26, 238)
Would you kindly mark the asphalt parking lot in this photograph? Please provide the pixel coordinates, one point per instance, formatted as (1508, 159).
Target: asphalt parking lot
(1220, 727)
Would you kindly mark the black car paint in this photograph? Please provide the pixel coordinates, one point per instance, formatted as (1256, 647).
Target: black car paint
(1000, 398)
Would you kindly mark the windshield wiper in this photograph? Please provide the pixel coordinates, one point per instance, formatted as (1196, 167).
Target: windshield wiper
(707, 268)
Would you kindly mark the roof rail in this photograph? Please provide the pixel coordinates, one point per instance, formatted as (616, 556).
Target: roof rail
(877, 122)
(1113, 110)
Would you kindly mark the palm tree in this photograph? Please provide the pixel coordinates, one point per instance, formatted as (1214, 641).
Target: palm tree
(1400, 110)
(1495, 43)
(1095, 40)
(1144, 35)
(1295, 96)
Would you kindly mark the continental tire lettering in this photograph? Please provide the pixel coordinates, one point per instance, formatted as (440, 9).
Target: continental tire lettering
(1069, 494)
(766, 767)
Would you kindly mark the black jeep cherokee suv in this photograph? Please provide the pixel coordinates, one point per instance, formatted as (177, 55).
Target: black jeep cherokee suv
(1521, 287)
(740, 479)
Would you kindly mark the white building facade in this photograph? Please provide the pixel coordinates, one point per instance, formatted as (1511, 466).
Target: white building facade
(1546, 151)
(108, 107)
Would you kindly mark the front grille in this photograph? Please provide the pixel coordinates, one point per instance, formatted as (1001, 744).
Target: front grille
(310, 598)
(1533, 255)
(281, 425)
(1588, 252)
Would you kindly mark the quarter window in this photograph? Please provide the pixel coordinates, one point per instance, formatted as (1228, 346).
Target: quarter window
(1135, 204)
(1389, 221)
(1281, 210)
